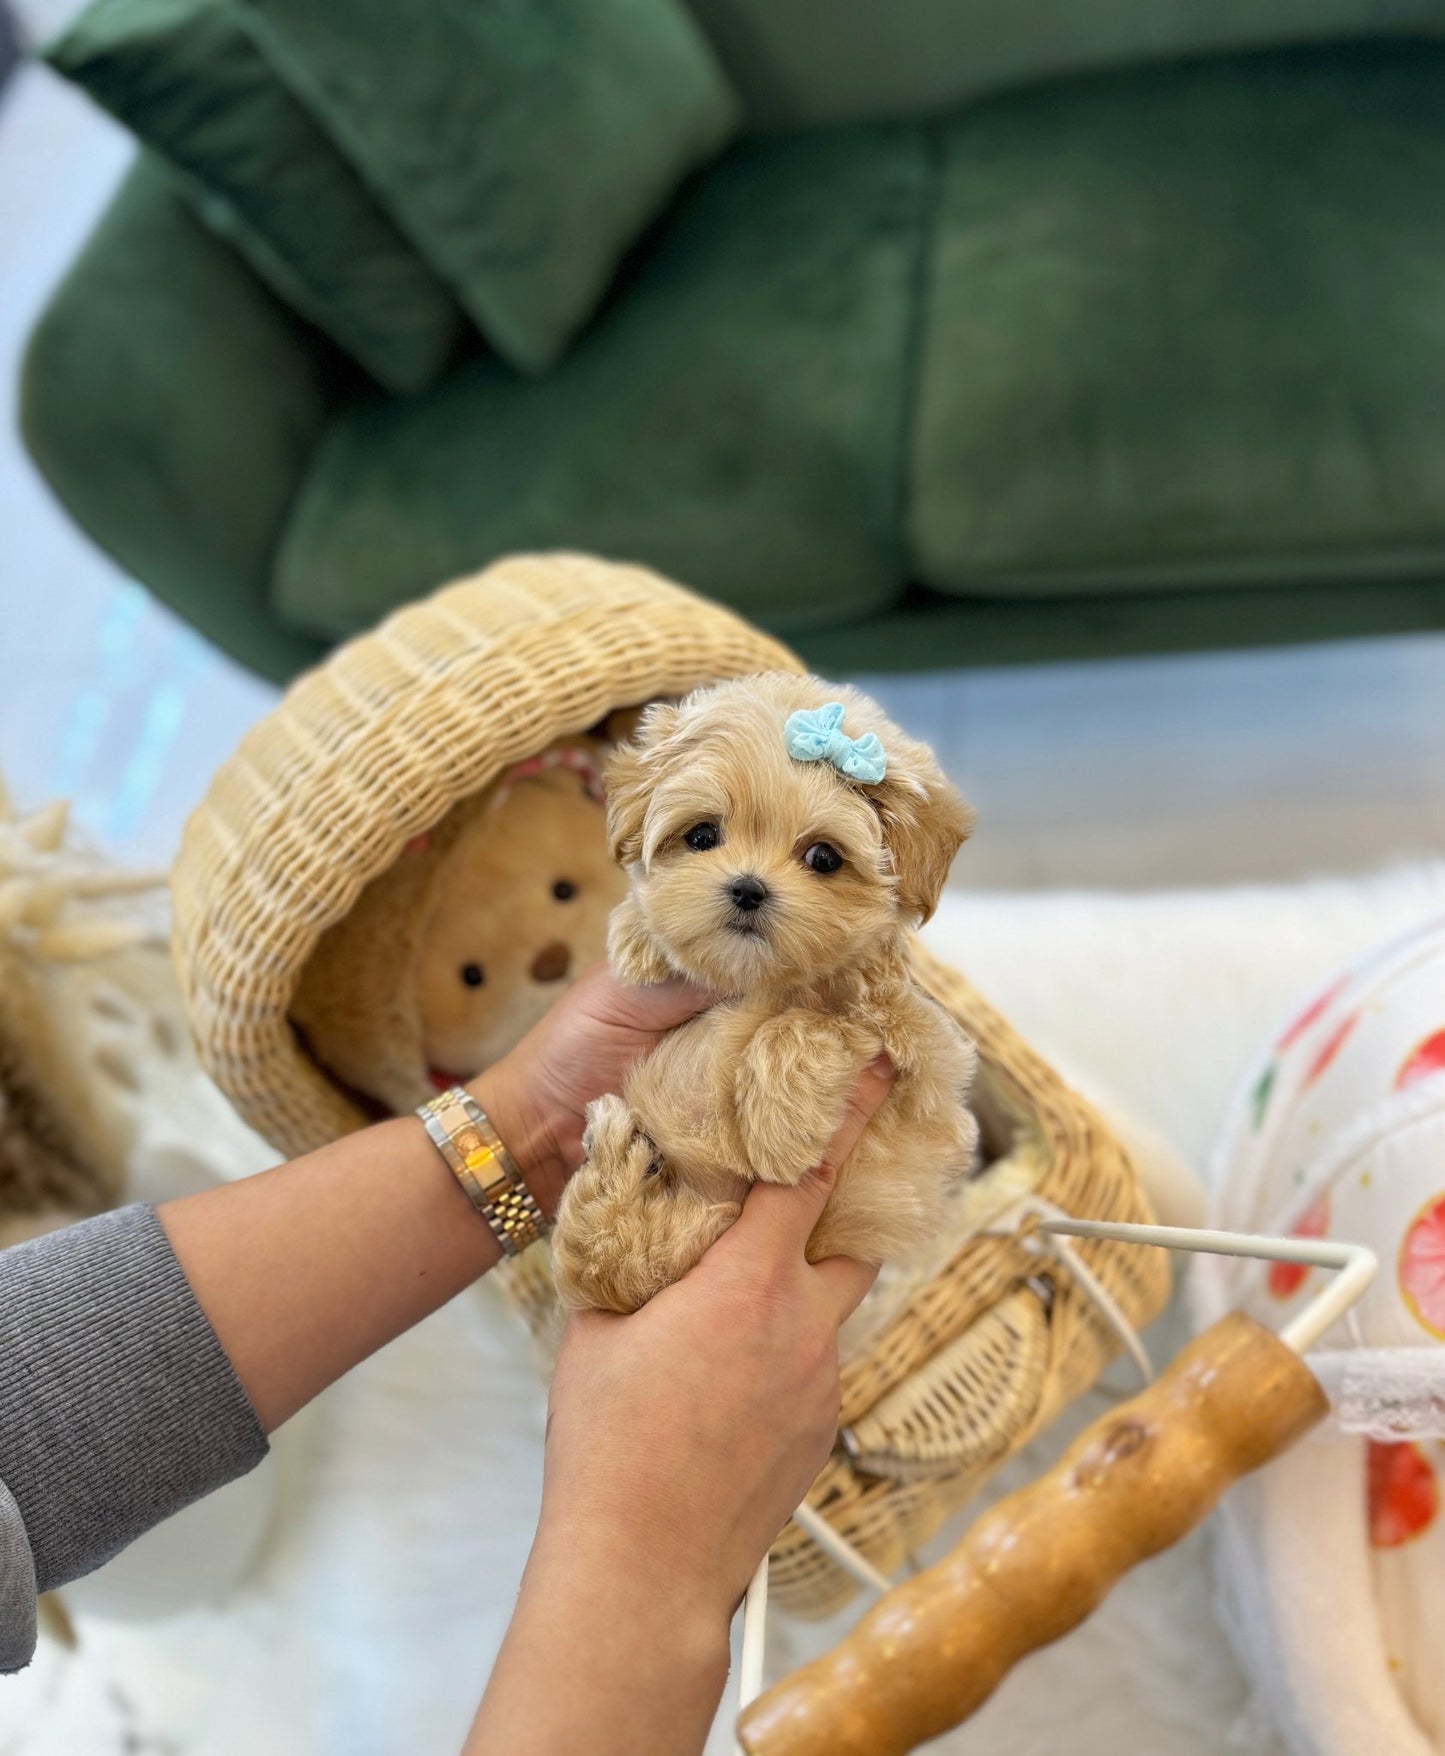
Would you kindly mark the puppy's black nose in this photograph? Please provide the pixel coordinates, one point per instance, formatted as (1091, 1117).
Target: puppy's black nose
(748, 893)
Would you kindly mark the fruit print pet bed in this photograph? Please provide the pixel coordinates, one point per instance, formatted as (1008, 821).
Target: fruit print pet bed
(1335, 1563)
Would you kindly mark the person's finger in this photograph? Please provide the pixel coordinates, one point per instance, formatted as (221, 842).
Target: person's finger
(779, 1218)
(656, 1007)
(847, 1281)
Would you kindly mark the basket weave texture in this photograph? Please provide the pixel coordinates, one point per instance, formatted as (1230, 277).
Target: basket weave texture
(376, 746)
(977, 1350)
(986, 1350)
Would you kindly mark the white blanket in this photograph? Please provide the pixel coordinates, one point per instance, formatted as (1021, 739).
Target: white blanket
(404, 1499)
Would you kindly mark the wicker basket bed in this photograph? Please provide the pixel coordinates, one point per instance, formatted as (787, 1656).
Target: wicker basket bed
(960, 1358)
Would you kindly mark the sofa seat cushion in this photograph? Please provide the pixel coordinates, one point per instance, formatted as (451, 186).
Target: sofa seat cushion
(734, 418)
(1187, 328)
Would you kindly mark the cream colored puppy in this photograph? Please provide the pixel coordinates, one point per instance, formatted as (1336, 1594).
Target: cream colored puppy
(781, 839)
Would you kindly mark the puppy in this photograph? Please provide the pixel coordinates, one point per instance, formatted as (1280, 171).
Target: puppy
(781, 839)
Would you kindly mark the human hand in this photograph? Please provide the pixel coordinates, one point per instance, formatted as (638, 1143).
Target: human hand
(680, 1438)
(537, 1095)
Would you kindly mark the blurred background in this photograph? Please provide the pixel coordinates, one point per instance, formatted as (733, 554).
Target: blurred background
(1173, 768)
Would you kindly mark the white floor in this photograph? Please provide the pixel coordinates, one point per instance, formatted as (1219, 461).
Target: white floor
(1139, 773)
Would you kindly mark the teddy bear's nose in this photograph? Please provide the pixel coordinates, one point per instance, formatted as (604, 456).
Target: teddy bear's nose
(552, 962)
(748, 893)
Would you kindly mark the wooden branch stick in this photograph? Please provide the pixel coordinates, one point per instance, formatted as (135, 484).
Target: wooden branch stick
(1038, 1562)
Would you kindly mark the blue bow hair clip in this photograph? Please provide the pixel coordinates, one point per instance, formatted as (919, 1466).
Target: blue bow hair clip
(816, 735)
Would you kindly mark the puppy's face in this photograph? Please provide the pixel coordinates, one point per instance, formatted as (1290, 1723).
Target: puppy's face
(751, 869)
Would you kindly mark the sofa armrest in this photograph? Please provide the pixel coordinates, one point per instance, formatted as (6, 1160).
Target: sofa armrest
(173, 405)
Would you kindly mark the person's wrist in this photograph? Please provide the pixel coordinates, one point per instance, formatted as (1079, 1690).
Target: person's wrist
(636, 1531)
(600, 1655)
(669, 1599)
(523, 1131)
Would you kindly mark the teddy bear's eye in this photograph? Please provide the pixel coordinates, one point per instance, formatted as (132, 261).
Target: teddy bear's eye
(822, 858)
(564, 890)
(473, 974)
(703, 836)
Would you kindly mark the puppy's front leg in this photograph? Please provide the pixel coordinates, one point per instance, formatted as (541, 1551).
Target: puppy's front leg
(792, 1085)
(628, 1226)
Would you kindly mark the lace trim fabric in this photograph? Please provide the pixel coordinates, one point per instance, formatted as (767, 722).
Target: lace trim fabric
(1389, 1394)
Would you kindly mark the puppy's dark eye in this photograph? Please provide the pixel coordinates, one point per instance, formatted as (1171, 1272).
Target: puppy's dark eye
(564, 890)
(822, 858)
(473, 974)
(703, 836)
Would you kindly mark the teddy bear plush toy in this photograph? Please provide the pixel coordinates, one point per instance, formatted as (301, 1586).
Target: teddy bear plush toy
(457, 949)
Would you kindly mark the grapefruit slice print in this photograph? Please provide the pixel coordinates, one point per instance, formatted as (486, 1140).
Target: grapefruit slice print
(1427, 1057)
(1402, 1495)
(1306, 1018)
(1420, 1267)
(1286, 1278)
(1331, 1047)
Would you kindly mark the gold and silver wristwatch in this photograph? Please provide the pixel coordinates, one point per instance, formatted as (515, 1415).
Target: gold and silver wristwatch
(463, 1135)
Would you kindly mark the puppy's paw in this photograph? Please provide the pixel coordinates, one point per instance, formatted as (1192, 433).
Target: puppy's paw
(626, 1227)
(598, 1210)
(793, 1081)
(632, 952)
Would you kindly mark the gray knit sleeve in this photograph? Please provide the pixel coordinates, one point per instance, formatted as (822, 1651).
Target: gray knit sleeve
(118, 1405)
(17, 1587)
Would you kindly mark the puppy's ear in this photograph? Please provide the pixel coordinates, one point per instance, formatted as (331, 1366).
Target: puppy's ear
(628, 779)
(924, 821)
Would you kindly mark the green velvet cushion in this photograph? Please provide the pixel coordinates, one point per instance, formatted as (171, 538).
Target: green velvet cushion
(187, 78)
(173, 404)
(1187, 327)
(797, 63)
(734, 418)
(523, 148)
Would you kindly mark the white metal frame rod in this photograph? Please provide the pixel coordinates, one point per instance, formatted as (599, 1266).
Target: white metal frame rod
(1356, 1264)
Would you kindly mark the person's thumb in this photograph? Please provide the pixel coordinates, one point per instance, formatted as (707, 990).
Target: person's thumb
(647, 1010)
(780, 1218)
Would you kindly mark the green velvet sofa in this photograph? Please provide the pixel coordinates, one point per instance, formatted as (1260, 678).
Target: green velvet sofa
(934, 332)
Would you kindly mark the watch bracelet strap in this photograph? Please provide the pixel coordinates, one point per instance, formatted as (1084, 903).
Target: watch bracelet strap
(462, 1133)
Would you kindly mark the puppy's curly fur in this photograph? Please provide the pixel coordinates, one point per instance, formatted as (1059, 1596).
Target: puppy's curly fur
(816, 981)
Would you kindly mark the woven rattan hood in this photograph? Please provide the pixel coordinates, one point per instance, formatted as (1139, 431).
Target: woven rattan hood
(376, 746)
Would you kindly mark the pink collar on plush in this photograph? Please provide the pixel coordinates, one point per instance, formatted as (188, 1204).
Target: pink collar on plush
(571, 756)
(580, 761)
